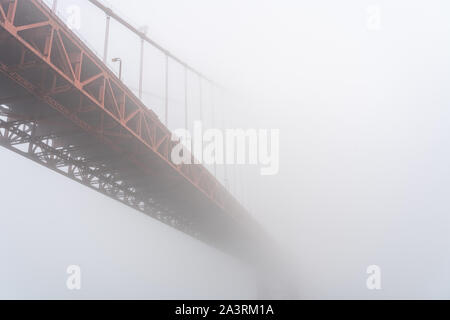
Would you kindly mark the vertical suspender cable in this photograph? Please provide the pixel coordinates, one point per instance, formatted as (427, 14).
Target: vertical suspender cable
(186, 99)
(212, 125)
(225, 166)
(55, 5)
(106, 44)
(167, 92)
(141, 70)
(201, 99)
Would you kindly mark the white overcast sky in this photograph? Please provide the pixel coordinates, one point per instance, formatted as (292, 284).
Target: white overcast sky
(364, 175)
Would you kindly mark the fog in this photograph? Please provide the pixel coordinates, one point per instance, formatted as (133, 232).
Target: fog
(359, 92)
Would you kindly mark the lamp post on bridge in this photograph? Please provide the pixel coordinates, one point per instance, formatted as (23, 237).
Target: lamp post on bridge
(144, 31)
(120, 66)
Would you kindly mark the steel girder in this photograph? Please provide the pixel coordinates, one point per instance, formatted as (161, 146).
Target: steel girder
(63, 91)
(59, 69)
(20, 136)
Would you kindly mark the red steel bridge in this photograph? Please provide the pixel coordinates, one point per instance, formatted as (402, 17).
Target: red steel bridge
(62, 107)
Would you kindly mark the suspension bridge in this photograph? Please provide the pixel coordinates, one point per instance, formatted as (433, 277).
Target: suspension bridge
(63, 107)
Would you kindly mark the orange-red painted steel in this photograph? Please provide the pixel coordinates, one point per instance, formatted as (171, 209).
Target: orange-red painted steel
(39, 53)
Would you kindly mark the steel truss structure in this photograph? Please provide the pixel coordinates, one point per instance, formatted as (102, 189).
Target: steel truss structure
(62, 107)
(23, 137)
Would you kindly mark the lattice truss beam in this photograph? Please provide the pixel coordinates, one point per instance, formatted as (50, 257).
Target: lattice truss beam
(22, 136)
